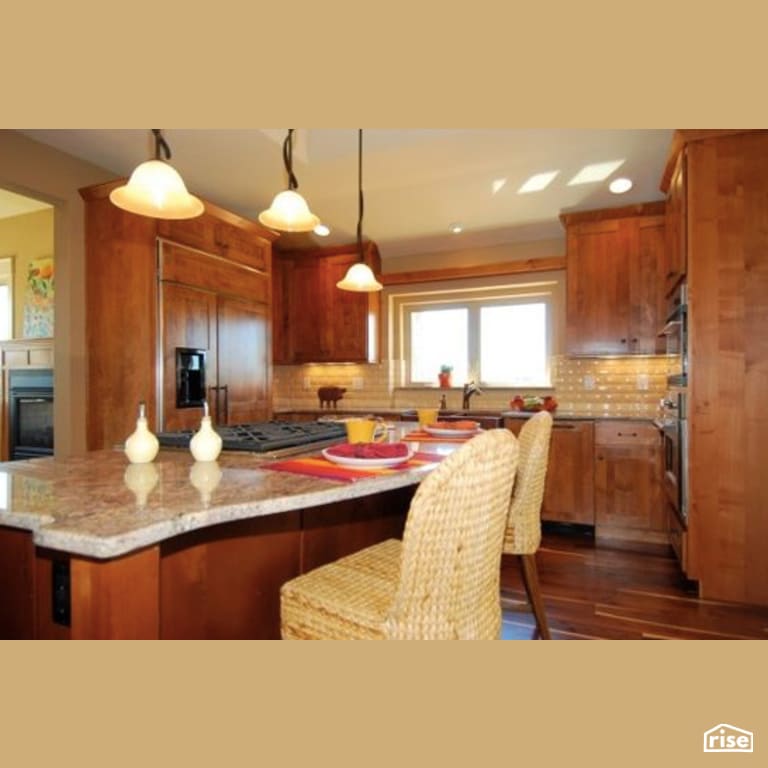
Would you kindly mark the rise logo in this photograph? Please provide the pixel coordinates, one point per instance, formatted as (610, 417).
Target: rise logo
(728, 738)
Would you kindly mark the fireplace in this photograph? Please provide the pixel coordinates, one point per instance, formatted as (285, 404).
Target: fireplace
(30, 413)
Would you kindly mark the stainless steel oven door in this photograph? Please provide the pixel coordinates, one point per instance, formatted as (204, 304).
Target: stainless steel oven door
(672, 465)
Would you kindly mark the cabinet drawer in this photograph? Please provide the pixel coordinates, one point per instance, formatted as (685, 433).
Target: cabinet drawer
(626, 433)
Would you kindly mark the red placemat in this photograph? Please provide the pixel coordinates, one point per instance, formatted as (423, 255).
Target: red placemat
(319, 466)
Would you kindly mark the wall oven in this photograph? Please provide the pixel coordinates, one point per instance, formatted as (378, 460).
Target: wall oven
(675, 331)
(673, 424)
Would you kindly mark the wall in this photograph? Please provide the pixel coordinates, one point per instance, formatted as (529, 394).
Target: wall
(25, 237)
(595, 386)
(38, 171)
(589, 387)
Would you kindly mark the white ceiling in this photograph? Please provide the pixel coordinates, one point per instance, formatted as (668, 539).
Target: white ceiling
(416, 182)
(12, 204)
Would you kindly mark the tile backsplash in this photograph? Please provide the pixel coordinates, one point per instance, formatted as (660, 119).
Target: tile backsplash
(629, 386)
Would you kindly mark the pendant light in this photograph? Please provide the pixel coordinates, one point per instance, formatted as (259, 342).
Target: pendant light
(359, 277)
(155, 189)
(289, 211)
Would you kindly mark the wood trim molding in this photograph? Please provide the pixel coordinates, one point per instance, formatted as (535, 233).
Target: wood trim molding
(481, 270)
(655, 208)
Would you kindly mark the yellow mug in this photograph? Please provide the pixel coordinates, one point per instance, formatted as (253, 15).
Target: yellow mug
(365, 431)
(426, 416)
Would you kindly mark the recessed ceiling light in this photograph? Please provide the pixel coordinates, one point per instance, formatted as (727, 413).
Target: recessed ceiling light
(456, 228)
(620, 186)
(537, 182)
(595, 172)
(497, 185)
(322, 230)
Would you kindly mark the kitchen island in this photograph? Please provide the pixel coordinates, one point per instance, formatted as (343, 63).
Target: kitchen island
(93, 547)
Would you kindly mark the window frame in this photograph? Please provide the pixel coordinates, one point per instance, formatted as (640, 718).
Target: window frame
(473, 298)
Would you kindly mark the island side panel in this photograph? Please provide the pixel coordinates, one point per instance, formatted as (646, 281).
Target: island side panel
(17, 568)
(336, 530)
(116, 598)
(223, 582)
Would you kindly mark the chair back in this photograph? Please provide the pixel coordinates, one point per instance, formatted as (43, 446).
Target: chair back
(451, 552)
(523, 534)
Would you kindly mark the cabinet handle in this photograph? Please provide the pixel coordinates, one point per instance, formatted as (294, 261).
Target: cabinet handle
(627, 434)
(225, 387)
(623, 341)
(634, 341)
(214, 401)
(600, 457)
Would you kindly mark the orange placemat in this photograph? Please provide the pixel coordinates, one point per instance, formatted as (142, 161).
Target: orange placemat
(319, 466)
(424, 437)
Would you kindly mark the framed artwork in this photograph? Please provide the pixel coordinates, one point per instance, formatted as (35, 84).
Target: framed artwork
(38, 299)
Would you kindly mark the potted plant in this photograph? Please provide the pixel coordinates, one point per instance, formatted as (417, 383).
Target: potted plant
(444, 377)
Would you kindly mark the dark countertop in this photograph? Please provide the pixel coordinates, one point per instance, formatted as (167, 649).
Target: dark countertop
(410, 413)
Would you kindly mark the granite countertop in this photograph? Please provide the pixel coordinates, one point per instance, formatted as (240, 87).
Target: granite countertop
(94, 505)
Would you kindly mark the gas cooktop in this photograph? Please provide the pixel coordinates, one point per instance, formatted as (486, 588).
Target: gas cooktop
(264, 436)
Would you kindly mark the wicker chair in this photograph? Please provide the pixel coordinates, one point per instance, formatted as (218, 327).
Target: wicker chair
(523, 534)
(441, 581)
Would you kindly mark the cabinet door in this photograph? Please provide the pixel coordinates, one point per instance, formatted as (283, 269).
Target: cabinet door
(627, 477)
(308, 312)
(677, 224)
(568, 492)
(597, 280)
(242, 246)
(189, 320)
(646, 284)
(199, 232)
(347, 331)
(244, 361)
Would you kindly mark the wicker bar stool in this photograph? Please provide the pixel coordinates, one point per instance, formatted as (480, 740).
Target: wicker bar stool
(441, 581)
(523, 534)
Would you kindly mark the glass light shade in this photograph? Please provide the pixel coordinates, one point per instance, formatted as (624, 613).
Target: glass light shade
(155, 189)
(289, 212)
(359, 278)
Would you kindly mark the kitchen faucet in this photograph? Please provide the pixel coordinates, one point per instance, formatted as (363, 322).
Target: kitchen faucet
(470, 388)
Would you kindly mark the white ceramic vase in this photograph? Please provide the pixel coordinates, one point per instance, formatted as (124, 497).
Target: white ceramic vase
(141, 446)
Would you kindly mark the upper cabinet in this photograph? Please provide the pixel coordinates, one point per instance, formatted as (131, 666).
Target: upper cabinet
(316, 322)
(614, 272)
(677, 236)
(156, 289)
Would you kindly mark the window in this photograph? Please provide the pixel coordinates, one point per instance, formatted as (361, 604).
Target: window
(499, 337)
(6, 297)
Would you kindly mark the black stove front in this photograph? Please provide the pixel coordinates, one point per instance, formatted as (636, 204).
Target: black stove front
(263, 437)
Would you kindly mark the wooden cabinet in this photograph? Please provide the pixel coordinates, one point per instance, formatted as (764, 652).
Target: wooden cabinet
(615, 294)
(726, 191)
(204, 312)
(316, 322)
(569, 489)
(677, 220)
(220, 234)
(153, 285)
(234, 334)
(628, 494)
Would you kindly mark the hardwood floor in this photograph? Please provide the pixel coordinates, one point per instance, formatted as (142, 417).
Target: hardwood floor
(599, 592)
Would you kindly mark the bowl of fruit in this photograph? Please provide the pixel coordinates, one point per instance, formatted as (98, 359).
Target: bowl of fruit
(533, 403)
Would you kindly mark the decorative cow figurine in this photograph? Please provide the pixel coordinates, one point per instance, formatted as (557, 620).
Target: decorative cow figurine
(330, 395)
